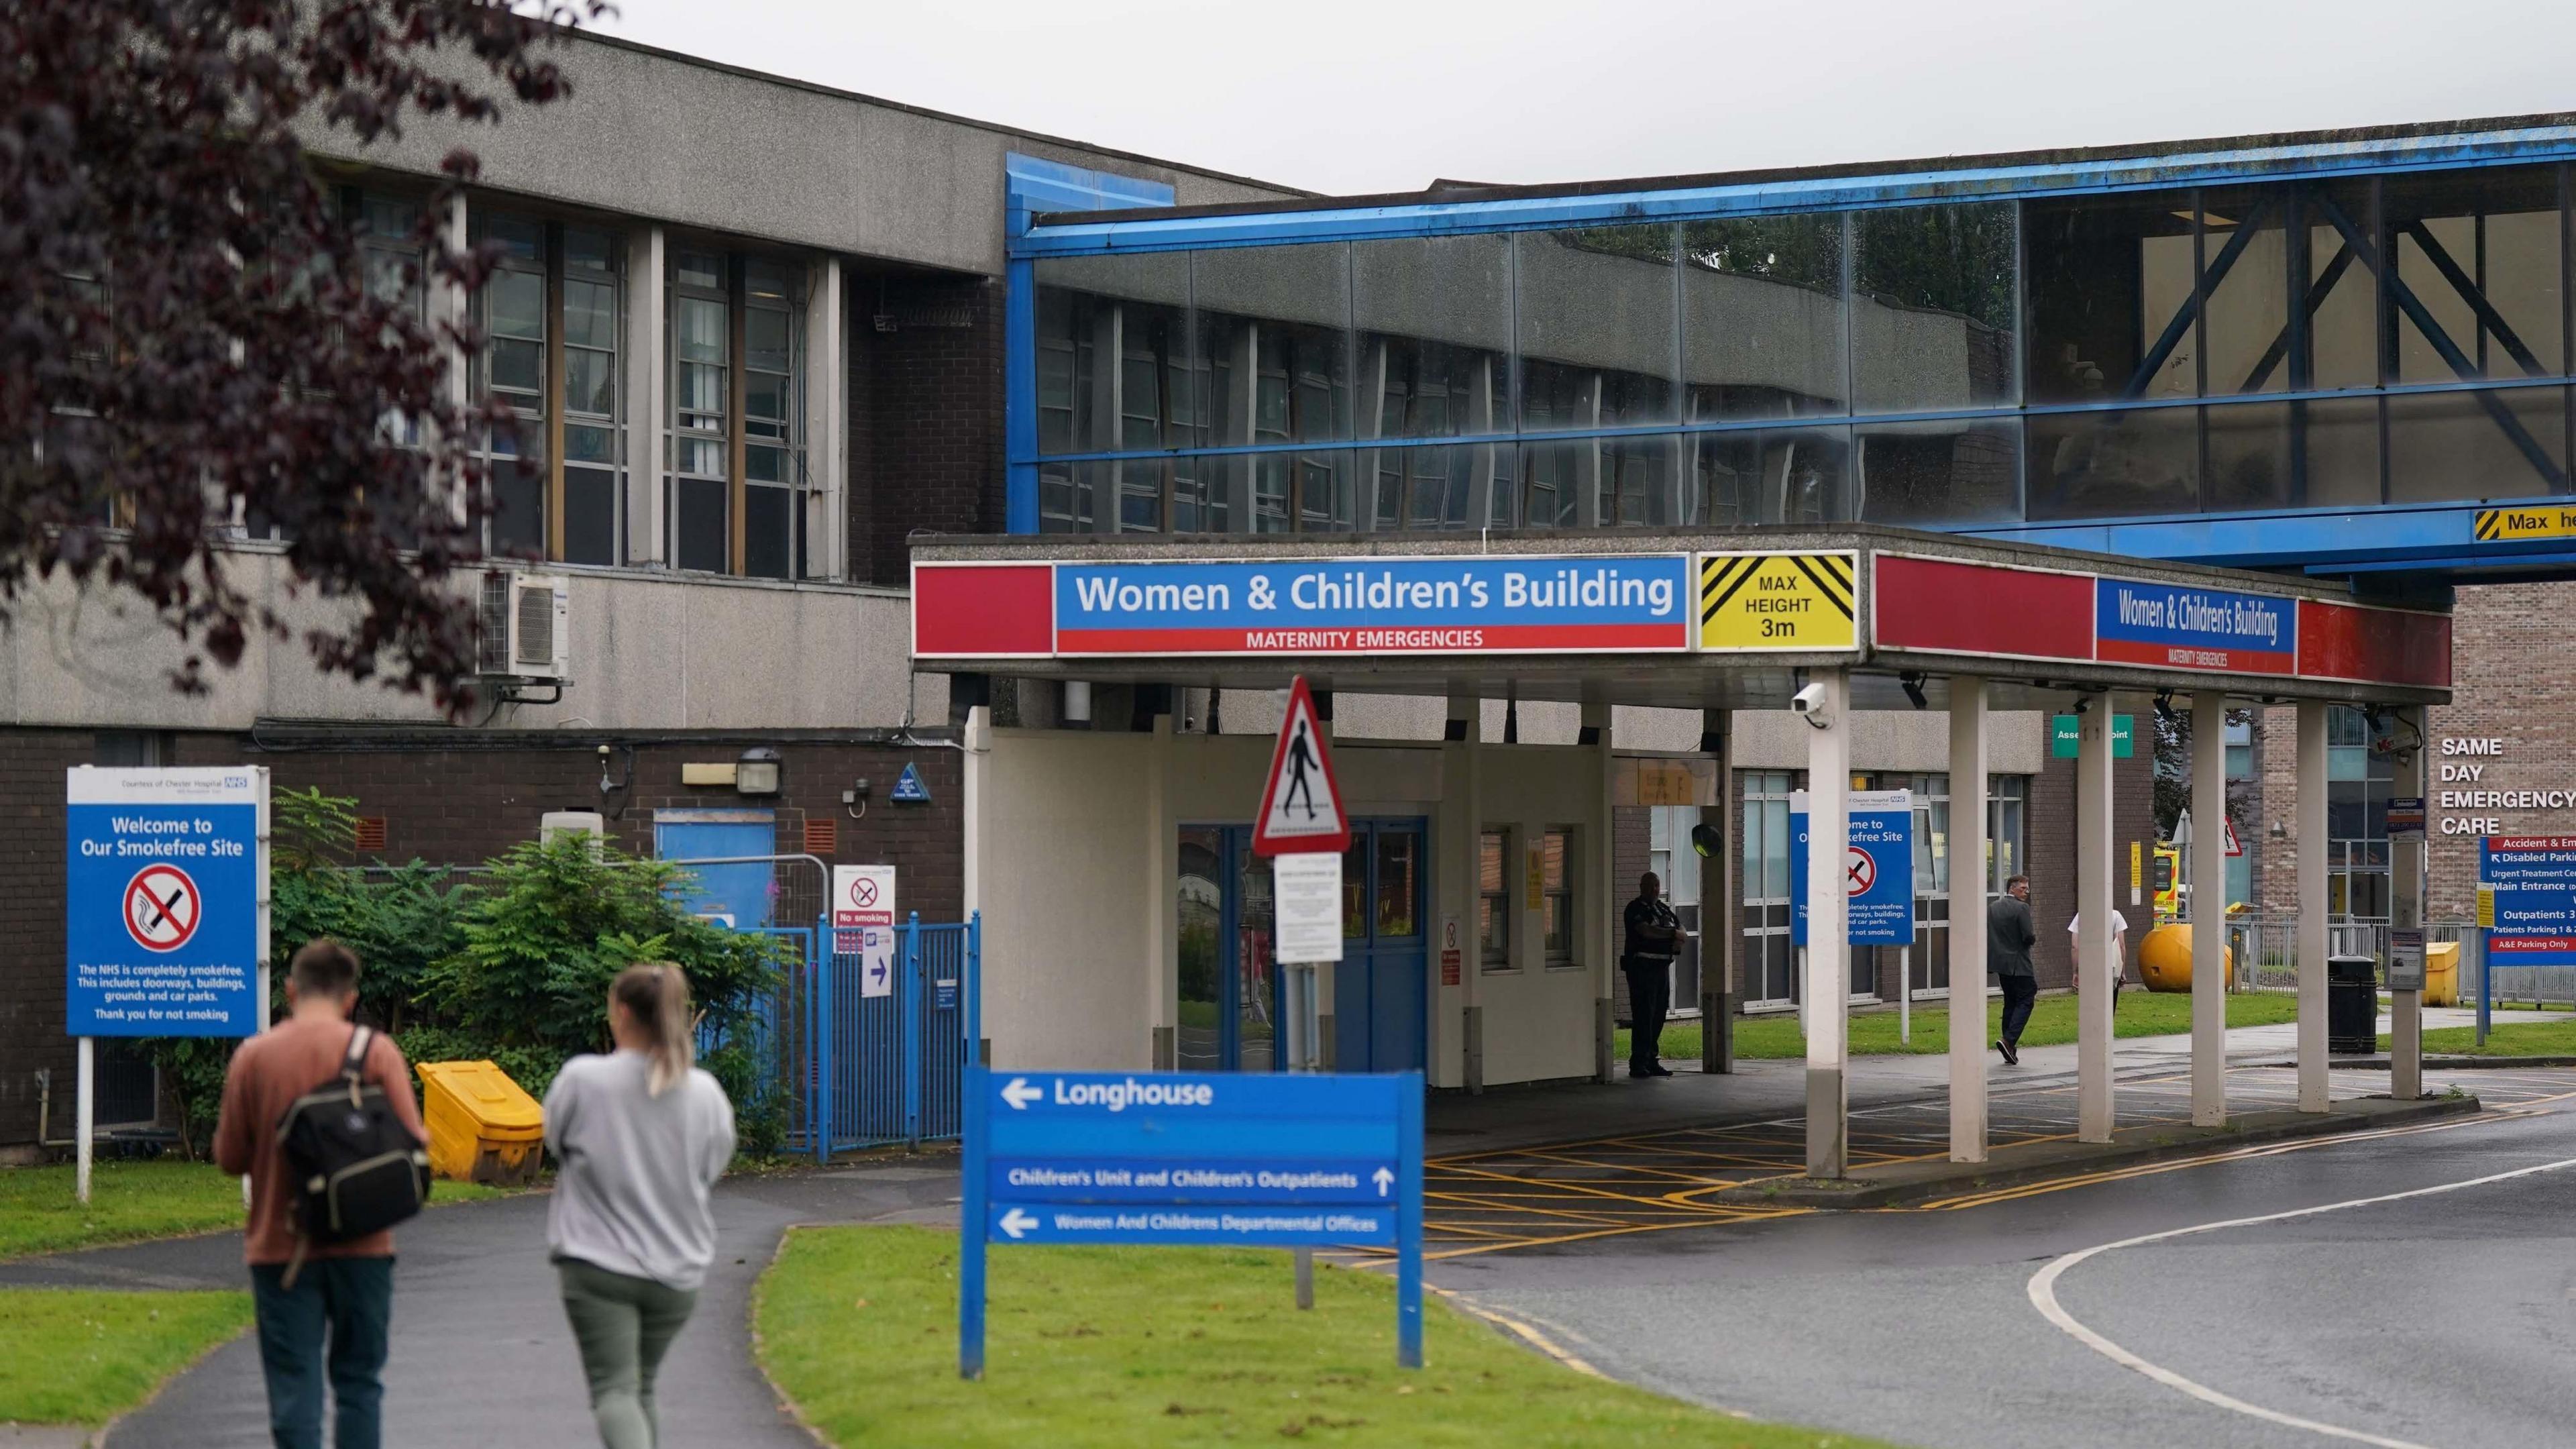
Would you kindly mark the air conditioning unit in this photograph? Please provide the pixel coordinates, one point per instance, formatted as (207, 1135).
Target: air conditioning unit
(526, 626)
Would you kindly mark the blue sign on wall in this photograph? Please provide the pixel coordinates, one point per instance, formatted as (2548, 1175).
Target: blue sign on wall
(2534, 878)
(1878, 868)
(1376, 606)
(2173, 627)
(1237, 1159)
(162, 873)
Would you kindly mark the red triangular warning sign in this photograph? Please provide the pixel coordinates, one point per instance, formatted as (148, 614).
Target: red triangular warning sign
(1301, 806)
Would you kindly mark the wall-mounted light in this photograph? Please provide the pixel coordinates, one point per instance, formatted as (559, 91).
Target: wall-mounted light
(1706, 840)
(758, 772)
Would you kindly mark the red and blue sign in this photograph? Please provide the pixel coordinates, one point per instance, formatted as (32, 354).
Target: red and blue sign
(1315, 606)
(2182, 626)
(2534, 879)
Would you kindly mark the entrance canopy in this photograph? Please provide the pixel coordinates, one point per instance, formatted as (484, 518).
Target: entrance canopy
(1726, 619)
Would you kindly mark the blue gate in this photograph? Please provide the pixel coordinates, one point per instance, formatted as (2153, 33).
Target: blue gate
(893, 1061)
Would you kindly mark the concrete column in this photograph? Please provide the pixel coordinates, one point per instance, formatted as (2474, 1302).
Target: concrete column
(1599, 915)
(2208, 867)
(1465, 734)
(1160, 857)
(2406, 860)
(1828, 987)
(1967, 919)
(827, 514)
(2311, 815)
(2094, 1111)
(648, 384)
(1719, 939)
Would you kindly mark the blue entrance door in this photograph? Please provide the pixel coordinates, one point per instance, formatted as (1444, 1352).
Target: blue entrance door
(1229, 985)
(1381, 986)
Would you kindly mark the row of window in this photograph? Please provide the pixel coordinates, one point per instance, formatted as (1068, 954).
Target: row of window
(2219, 349)
(554, 315)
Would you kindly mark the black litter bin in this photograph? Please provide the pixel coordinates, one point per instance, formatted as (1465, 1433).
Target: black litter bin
(2352, 1006)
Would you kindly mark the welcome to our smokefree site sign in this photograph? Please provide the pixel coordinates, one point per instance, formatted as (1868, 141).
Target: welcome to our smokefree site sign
(162, 885)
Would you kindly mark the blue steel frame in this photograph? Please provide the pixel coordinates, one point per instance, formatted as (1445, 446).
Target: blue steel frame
(2338, 542)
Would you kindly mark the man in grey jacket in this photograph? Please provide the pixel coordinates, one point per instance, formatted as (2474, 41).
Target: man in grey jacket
(2009, 938)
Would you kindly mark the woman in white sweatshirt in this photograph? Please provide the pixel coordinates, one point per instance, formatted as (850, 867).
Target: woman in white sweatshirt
(639, 1136)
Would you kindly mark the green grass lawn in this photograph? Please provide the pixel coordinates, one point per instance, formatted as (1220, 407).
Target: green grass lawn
(82, 1358)
(1171, 1346)
(132, 1201)
(2525, 1039)
(2052, 1020)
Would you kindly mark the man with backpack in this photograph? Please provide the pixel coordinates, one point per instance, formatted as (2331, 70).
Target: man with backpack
(317, 1111)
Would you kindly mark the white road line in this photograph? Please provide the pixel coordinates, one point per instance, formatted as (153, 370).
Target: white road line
(2043, 1296)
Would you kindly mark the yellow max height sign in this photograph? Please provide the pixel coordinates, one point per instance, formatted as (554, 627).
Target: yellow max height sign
(1780, 601)
(2504, 525)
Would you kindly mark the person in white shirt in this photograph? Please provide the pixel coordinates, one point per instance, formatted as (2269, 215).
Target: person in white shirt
(2119, 950)
(639, 1136)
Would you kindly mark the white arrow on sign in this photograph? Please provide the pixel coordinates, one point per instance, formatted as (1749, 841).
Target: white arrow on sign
(1020, 1094)
(1017, 1223)
(1384, 1180)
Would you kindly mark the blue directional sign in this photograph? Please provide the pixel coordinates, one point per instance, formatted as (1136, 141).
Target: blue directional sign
(1228, 1159)
(2534, 880)
(163, 873)
(1878, 868)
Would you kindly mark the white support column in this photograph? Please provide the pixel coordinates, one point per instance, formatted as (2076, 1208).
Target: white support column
(2311, 816)
(1599, 913)
(1828, 987)
(648, 383)
(2096, 970)
(1967, 919)
(1161, 899)
(827, 528)
(1467, 723)
(2208, 867)
(2406, 912)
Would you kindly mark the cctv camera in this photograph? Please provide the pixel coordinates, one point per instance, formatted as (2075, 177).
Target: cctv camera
(1810, 703)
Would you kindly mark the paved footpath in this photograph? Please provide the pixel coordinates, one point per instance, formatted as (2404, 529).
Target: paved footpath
(481, 1356)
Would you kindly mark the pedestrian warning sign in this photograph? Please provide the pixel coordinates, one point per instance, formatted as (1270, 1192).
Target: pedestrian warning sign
(1301, 807)
(1778, 601)
(2504, 525)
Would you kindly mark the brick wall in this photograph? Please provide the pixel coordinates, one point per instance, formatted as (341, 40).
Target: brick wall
(456, 806)
(32, 763)
(2052, 855)
(925, 417)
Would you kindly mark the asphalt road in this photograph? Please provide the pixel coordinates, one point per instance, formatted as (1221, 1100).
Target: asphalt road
(2442, 1319)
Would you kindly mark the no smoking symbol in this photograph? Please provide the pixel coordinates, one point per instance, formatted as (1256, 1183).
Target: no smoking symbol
(1860, 872)
(162, 908)
(863, 892)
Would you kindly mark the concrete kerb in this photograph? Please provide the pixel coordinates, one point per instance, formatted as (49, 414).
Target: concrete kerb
(1899, 1183)
(2447, 1063)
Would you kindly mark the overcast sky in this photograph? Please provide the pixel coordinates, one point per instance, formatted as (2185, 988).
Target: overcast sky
(1383, 95)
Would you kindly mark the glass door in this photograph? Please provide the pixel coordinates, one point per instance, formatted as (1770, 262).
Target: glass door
(1228, 990)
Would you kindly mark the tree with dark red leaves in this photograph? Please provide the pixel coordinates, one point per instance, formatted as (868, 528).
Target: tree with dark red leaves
(189, 337)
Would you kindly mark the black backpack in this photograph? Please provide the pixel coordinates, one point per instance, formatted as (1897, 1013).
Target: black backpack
(357, 1169)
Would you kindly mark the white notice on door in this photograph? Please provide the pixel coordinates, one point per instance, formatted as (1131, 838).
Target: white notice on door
(1307, 899)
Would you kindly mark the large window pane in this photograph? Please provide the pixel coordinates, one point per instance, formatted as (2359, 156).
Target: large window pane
(1274, 336)
(1094, 311)
(1597, 327)
(2293, 455)
(1777, 475)
(1435, 333)
(2505, 443)
(2109, 277)
(2478, 252)
(2111, 464)
(1442, 486)
(2253, 271)
(590, 516)
(1763, 317)
(1932, 307)
(1939, 474)
(769, 533)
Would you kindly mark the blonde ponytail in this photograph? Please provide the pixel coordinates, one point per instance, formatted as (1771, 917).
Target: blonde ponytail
(657, 995)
